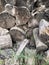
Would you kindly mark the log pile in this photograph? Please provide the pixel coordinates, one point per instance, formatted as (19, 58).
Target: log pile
(24, 25)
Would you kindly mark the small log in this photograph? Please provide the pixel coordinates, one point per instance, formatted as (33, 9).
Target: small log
(22, 46)
(44, 31)
(20, 49)
(17, 34)
(5, 41)
(21, 16)
(39, 44)
(6, 20)
(43, 27)
(5, 38)
(9, 9)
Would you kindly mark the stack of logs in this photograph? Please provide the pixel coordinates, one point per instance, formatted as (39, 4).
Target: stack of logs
(24, 26)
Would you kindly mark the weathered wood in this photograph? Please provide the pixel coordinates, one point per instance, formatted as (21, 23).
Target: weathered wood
(44, 31)
(29, 35)
(21, 16)
(22, 46)
(17, 34)
(20, 49)
(10, 2)
(5, 38)
(33, 22)
(6, 20)
(9, 9)
(40, 46)
(43, 27)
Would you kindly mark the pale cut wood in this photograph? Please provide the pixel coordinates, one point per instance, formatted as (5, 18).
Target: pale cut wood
(44, 31)
(44, 27)
(5, 38)
(22, 46)
(20, 49)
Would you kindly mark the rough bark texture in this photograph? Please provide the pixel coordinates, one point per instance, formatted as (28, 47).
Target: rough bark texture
(24, 32)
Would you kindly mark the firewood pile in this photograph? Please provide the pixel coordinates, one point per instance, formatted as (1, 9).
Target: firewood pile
(24, 28)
